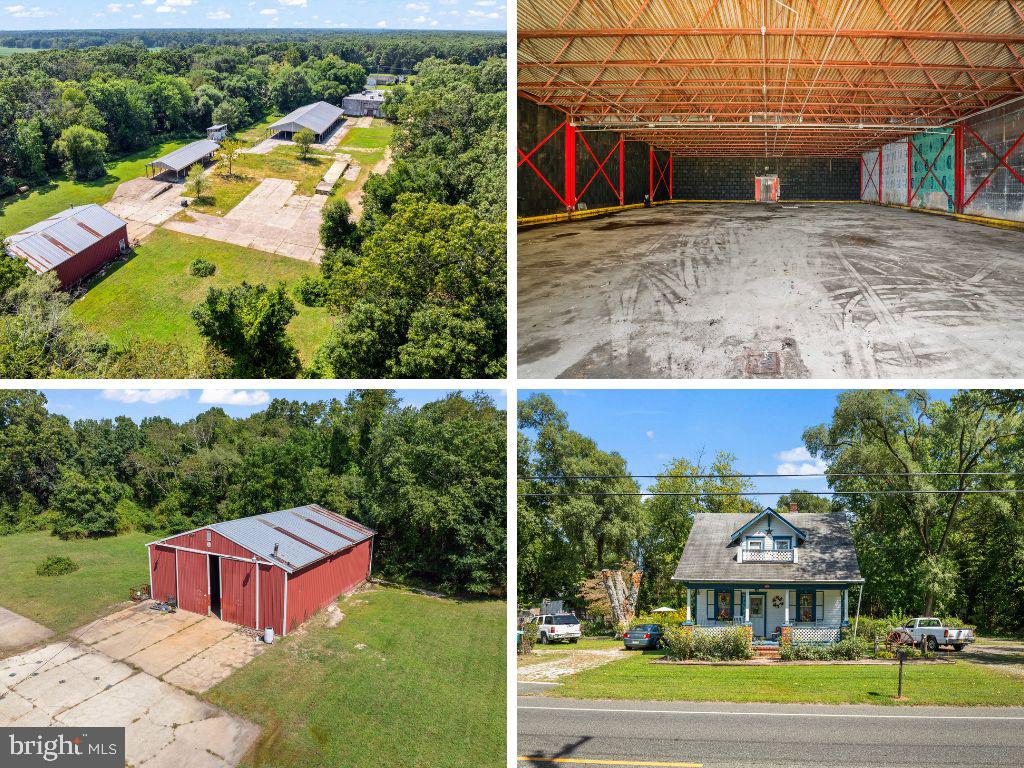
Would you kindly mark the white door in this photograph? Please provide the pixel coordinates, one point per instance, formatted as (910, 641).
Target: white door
(757, 617)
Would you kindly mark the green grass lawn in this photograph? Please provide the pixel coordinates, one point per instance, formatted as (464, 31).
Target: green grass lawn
(539, 657)
(258, 131)
(19, 211)
(960, 684)
(150, 296)
(427, 689)
(249, 170)
(108, 569)
(377, 136)
(5, 51)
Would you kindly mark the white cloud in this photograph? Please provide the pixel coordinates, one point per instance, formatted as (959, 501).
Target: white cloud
(164, 9)
(268, 12)
(21, 12)
(149, 2)
(381, 24)
(296, 3)
(482, 15)
(218, 15)
(234, 397)
(417, 7)
(114, 7)
(650, 434)
(798, 461)
(420, 20)
(178, 2)
(486, 3)
(143, 395)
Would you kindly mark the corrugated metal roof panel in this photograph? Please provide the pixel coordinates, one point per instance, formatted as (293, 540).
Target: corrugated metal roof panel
(189, 155)
(53, 241)
(317, 117)
(258, 534)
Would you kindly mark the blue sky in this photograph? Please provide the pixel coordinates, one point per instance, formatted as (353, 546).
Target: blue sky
(182, 404)
(762, 428)
(329, 14)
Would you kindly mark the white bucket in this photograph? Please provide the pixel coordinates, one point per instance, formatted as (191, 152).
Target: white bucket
(268, 635)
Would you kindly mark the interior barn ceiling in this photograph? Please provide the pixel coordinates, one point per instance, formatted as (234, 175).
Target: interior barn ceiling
(767, 77)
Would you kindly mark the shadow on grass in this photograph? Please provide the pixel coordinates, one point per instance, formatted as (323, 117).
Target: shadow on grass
(107, 271)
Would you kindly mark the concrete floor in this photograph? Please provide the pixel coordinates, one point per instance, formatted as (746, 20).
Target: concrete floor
(17, 631)
(786, 291)
(137, 668)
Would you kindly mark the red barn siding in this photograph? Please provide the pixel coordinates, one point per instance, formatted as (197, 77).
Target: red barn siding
(272, 598)
(218, 544)
(193, 582)
(162, 578)
(313, 587)
(238, 592)
(85, 262)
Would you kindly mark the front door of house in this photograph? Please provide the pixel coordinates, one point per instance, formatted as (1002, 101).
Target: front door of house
(757, 614)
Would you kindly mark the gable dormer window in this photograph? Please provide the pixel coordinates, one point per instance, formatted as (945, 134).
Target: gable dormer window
(783, 544)
(755, 545)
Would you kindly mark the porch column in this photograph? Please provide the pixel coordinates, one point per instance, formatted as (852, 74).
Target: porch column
(746, 606)
(689, 613)
(787, 607)
(846, 605)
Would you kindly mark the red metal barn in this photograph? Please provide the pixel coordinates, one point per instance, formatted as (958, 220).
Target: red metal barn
(73, 243)
(273, 570)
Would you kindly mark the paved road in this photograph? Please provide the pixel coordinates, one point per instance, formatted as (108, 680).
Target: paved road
(684, 734)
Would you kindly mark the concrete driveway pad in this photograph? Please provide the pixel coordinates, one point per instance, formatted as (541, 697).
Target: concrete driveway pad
(16, 631)
(134, 639)
(206, 669)
(169, 653)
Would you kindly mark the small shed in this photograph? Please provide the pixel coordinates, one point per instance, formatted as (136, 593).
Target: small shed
(270, 570)
(73, 243)
(364, 103)
(217, 132)
(319, 117)
(182, 159)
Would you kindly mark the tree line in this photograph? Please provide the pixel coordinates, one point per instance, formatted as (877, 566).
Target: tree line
(955, 554)
(429, 480)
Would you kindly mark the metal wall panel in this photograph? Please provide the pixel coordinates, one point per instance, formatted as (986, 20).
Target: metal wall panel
(162, 562)
(193, 582)
(1002, 196)
(895, 179)
(869, 176)
(272, 584)
(238, 592)
(312, 588)
(934, 190)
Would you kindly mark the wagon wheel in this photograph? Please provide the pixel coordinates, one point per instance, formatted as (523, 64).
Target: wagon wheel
(899, 637)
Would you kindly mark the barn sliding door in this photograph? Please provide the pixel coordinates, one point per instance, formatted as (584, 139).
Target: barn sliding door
(193, 582)
(238, 592)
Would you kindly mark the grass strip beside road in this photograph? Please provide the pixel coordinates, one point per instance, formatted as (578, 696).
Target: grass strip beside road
(960, 684)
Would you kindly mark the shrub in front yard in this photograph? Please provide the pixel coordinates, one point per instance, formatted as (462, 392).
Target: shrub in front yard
(527, 640)
(686, 643)
(664, 619)
(56, 566)
(847, 649)
(201, 268)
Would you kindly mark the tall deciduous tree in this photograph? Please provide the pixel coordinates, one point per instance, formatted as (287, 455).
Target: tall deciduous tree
(83, 151)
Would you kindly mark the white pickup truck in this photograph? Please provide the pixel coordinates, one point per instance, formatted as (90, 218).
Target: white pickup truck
(934, 634)
(553, 628)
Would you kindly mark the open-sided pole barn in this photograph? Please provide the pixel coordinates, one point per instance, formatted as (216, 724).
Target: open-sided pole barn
(806, 105)
(271, 570)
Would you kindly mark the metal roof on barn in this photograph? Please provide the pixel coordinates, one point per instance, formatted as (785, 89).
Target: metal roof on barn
(317, 117)
(303, 535)
(367, 95)
(63, 236)
(187, 156)
(827, 554)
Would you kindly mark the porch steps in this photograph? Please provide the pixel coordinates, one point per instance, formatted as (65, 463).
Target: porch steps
(766, 652)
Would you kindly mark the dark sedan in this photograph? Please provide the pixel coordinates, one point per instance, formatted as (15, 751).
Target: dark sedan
(644, 637)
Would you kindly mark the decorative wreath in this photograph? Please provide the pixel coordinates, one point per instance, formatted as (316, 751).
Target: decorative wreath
(777, 601)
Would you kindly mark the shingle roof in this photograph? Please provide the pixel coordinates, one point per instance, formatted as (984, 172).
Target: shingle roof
(187, 156)
(53, 241)
(827, 554)
(315, 533)
(317, 117)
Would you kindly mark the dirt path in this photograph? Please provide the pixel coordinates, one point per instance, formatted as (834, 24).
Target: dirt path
(355, 195)
(1004, 655)
(567, 664)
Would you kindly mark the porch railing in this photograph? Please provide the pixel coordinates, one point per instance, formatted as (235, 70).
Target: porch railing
(816, 634)
(719, 630)
(769, 556)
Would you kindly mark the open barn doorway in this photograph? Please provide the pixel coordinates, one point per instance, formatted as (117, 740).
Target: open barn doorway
(215, 591)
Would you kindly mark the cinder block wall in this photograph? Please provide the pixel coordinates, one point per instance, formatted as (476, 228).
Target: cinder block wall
(800, 178)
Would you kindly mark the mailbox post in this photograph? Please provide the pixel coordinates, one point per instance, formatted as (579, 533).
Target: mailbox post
(902, 656)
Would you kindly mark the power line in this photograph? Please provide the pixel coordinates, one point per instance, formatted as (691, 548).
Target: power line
(881, 492)
(769, 474)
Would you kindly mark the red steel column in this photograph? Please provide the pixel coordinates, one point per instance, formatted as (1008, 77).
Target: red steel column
(622, 169)
(880, 173)
(958, 169)
(861, 188)
(910, 174)
(671, 185)
(570, 165)
(650, 173)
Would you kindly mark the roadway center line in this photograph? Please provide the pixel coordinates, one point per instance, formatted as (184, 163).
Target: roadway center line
(585, 761)
(862, 715)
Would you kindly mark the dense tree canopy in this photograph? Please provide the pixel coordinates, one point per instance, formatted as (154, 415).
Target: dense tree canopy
(430, 480)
